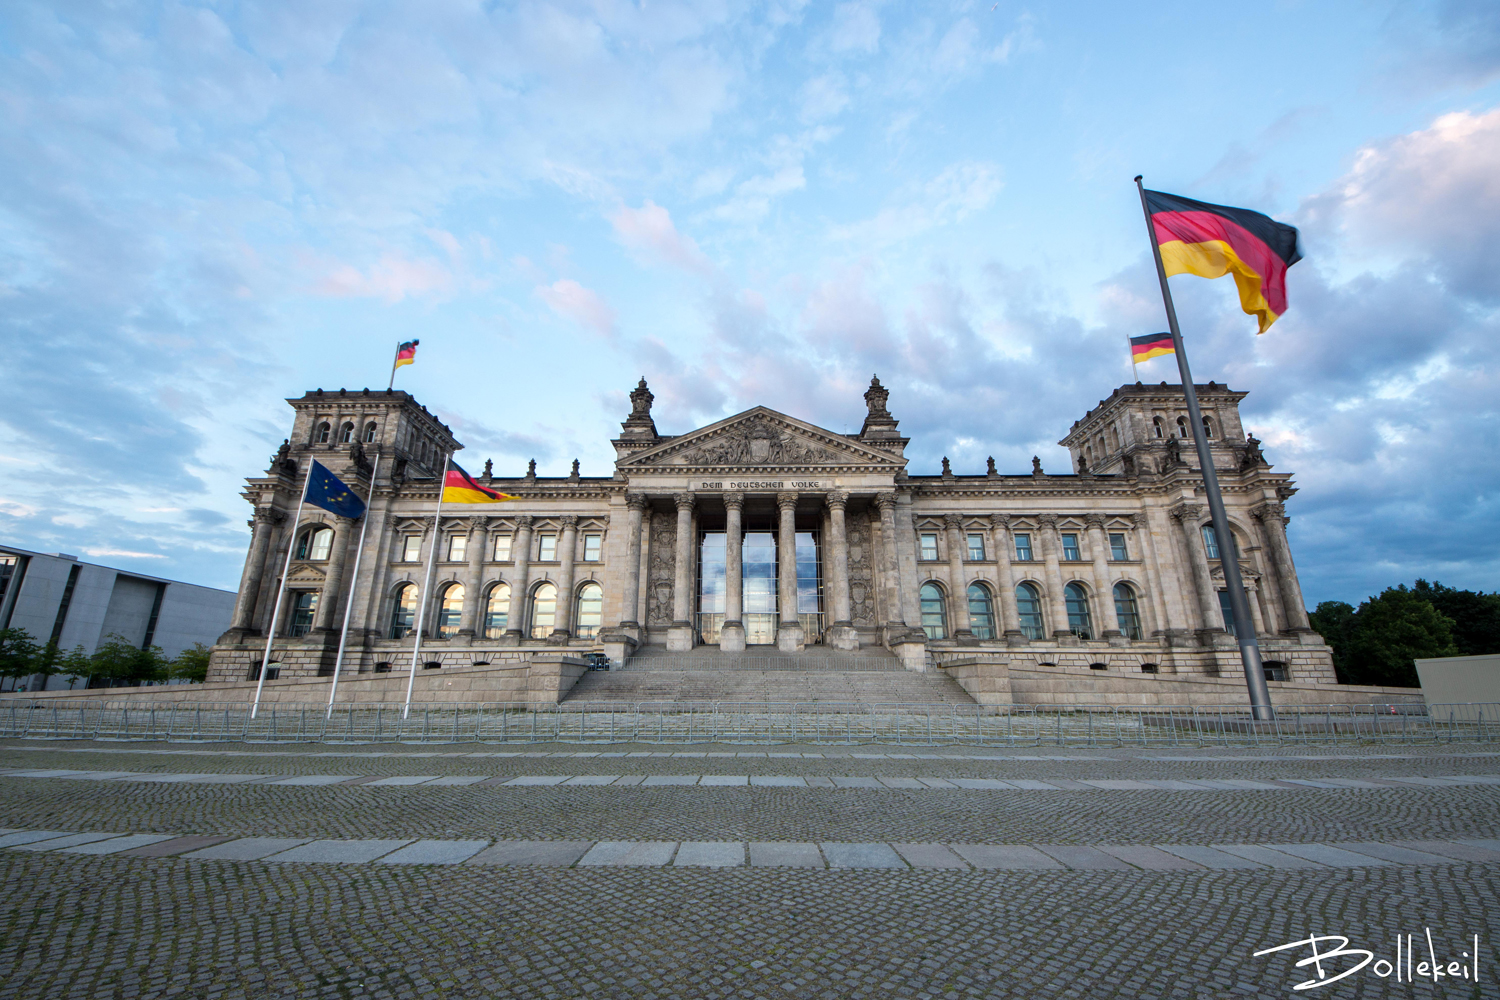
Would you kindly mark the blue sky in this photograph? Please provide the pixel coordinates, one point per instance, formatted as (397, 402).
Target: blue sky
(206, 208)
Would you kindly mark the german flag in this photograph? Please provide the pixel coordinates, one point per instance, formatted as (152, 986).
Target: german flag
(1152, 345)
(460, 487)
(1214, 240)
(406, 352)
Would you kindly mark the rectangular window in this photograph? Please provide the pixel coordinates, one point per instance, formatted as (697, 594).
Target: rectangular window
(304, 605)
(548, 550)
(1070, 548)
(929, 547)
(1210, 541)
(593, 547)
(457, 546)
(502, 548)
(976, 547)
(411, 548)
(1227, 611)
(1117, 550)
(1023, 547)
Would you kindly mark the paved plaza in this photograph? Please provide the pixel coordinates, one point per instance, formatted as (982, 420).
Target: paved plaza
(264, 870)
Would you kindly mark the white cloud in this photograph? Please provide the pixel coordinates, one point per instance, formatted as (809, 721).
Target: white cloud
(583, 306)
(823, 97)
(856, 28)
(648, 231)
(950, 197)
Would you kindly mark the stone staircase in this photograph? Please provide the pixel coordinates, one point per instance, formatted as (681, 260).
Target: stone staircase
(869, 677)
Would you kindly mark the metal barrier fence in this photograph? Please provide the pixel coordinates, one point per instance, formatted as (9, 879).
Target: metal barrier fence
(678, 723)
(802, 663)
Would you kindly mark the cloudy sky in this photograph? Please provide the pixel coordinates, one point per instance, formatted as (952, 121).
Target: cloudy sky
(208, 207)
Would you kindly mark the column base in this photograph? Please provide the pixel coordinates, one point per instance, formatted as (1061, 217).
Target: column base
(732, 637)
(1015, 637)
(1114, 637)
(965, 637)
(1064, 637)
(512, 637)
(559, 637)
(844, 636)
(680, 638)
(1215, 638)
(789, 637)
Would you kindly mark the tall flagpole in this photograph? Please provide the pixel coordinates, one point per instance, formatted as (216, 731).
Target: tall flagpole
(338, 662)
(1239, 606)
(396, 360)
(1134, 365)
(437, 537)
(280, 593)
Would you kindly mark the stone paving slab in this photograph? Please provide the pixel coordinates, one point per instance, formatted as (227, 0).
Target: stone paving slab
(340, 851)
(68, 841)
(174, 846)
(533, 852)
(1266, 856)
(847, 782)
(1392, 853)
(434, 852)
(901, 783)
(311, 779)
(1458, 851)
(412, 779)
(247, 848)
(777, 781)
(1149, 858)
(30, 836)
(781, 854)
(873, 855)
(1208, 857)
(930, 856)
(1488, 845)
(593, 779)
(1006, 856)
(983, 784)
(710, 854)
(535, 779)
(471, 779)
(724, 780)
(1333, 857)
(1078, 856)
(670, 779)
(118, 844)
(625, 853)
(819, 782)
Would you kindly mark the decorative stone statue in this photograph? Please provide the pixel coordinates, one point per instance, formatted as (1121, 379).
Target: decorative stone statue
(1083, 465)
(947, 468)
(875, 398)
(357, 456)
(1253, 456)
(573, 476)
(1174, 452)
(489, 468)
(640, 400)
(531, 471)
(282, 461)
(1128, 462)
(989, 468)
(1036, 466)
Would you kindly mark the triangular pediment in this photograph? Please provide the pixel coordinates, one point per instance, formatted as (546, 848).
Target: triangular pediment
(761, 438)
(306, 575)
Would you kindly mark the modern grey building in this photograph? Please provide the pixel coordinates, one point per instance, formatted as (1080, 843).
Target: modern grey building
(57, 598)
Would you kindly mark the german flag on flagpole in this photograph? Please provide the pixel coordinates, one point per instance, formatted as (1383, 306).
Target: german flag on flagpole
(1152, 345)
(406, 352)
(1214, 240)
(460, 487)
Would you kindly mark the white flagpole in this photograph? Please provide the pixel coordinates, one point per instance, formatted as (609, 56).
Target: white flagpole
(437, 539)
(338, 663)
(280, 593)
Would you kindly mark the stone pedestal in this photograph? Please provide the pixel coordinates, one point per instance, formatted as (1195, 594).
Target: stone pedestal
(789, 638)
(680, 638)
(732, 637)
(619, 644)
(912, 650)
(843, 635)
(1015, 637)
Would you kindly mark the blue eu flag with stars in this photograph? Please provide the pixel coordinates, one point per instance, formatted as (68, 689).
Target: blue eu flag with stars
(328, 491)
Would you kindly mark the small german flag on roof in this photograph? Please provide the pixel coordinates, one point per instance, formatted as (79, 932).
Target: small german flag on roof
(1152, 345)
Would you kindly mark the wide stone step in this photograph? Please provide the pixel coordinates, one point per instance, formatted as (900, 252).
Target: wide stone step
(780, 686)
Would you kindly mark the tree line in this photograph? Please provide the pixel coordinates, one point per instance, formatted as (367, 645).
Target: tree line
(117, 662)
(1376, 642)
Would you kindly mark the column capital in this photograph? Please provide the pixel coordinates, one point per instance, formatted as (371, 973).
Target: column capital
(1094, 520)
(1000, 522)
(885, 501)
(268, 515)
(427, 523)
(684, 500)
(479, 522)
(636, 501)
(1271, 510)
(1138, 519)
(1047, 520)
(836, 499)
(523, 521)
(786, 501)
(1186, 512)
(954, 521)
(570, 521)
(734, 501)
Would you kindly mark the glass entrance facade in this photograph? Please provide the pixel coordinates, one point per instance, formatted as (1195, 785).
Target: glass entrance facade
(760, 607)
(758, 573)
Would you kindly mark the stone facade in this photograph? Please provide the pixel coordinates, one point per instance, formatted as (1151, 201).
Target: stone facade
(764, 530)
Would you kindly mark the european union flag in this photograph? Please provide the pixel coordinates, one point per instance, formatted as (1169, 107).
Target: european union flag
(328, 491)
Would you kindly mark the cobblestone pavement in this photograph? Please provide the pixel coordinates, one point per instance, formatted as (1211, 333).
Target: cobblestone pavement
(654, 913)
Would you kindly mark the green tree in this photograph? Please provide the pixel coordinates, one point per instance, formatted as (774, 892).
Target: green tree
(191, 664)
(1475, 614)
(1391, 630)
(118, 662)
(20, 656)
(1334, 621)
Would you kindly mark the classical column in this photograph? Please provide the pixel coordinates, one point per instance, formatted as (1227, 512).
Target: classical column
(333, 579)
(958, 596)
(477, 550)
(262, 526)
(1104, 599)
(520, 553)
(890, 563)
(1150, 598)
(906, 549)
(568, 541)
(630, 576)
(789, 630)
(841, 634)
(1003, 547)
(732, 633)
(1057, 607)
(1209, 614)
(680, 636)
(1272, 516)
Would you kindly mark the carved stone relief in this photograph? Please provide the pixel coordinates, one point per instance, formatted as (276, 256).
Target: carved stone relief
(663, 565)
(861, 573)
(757, 441)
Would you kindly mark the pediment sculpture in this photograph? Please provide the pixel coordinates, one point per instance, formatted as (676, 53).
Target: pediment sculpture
(758, 441)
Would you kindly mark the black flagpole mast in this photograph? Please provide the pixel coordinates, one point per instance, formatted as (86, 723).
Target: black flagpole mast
(1239, 606)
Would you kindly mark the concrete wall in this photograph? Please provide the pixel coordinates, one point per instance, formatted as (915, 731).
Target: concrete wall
(1451, 680)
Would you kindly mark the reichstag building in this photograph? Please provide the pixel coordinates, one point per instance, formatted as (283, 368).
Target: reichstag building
(762, 531)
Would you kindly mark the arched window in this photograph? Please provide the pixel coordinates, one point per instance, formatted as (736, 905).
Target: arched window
(315, 543)
(346, 433)
(370, 432)
(325, 431)
(1088, 450)
(1182, 427)
(1156, 425)
(1208, 428)
(404, 613)
(497, 611)
(589, 614)
(1114, 437)
(1029, 610)
(450, 611)
(1077, 601)
(543, 611)
(934, 620)
(981, 611)
(1127, 614)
